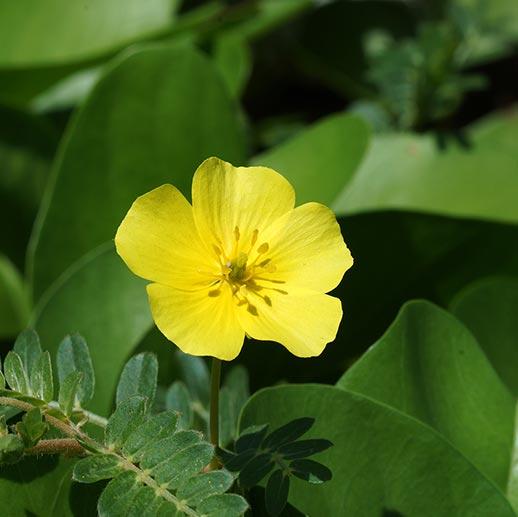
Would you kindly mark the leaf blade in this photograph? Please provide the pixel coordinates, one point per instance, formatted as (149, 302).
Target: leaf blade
(73, 355)
(139, 377)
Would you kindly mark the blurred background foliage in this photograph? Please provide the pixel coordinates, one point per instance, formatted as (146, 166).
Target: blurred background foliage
(401, 115)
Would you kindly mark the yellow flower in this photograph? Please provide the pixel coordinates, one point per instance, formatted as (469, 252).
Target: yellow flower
(240, 260)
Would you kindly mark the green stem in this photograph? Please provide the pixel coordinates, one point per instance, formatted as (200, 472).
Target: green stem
(214, 407)
(92, 418)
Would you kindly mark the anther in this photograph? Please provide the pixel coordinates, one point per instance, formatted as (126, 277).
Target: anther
(236, 233)
(255, 233)
(217, 249)
(263, 248)
(214, 293)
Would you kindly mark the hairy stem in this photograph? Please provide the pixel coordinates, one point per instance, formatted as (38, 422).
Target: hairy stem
(53, 421)
(67, 446)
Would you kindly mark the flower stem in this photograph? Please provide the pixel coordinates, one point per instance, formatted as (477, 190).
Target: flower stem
(214, 407)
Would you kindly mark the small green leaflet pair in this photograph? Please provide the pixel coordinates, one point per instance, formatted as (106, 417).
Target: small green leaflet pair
(155, 468)
(256, 454)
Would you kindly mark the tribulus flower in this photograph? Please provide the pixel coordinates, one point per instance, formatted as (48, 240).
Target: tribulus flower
(240, 260)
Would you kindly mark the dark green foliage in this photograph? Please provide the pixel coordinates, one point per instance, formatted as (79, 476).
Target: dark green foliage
(251, 438)
(257, 453)
(310, 470)
(288, 433)
(276, 493)
(256, 469)
(303, 448)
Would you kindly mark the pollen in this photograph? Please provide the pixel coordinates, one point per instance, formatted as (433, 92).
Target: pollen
(245, 269)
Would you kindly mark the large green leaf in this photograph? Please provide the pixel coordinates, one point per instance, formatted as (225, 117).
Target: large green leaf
(429, 366)
(107, 305)
(381, 459)
(322, 159)
(410, 172)
(404, 171)
(79, 30)
(27, 144)
(489, 307)
(14, 303)
(153, 118)
(36, 487)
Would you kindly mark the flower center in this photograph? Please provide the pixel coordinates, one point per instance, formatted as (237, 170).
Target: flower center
(238, 268)
(243, 276)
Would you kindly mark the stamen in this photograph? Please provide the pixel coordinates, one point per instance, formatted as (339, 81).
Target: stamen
(253, 240)
(241, 276)
(273, 281)
(264, 262)
(263, 248)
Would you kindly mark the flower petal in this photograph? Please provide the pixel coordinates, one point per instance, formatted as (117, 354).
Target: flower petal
(158, 240)
(249, 198)
(303, 321)
(197, 323)
(307, 248)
